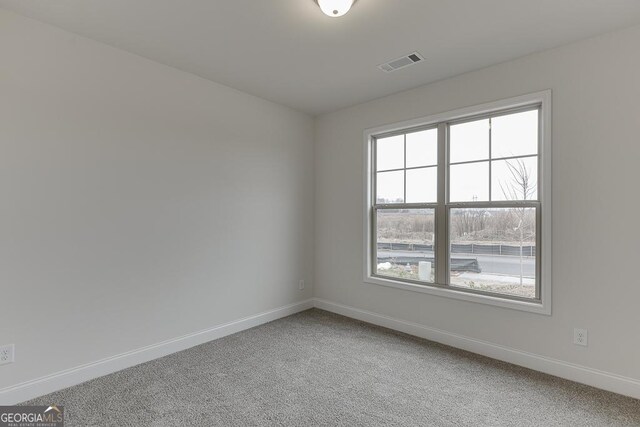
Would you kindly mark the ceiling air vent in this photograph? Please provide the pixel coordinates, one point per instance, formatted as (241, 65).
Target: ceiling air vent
(399, 63)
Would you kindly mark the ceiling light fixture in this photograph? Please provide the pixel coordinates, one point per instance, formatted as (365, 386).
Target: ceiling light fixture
(335, 8)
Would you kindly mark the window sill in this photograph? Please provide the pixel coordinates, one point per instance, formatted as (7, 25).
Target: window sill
(532, 307)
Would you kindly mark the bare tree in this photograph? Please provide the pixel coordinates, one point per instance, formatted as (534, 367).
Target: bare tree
(470, 222)
(520, 186)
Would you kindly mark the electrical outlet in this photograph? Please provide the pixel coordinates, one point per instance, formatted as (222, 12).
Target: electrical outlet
(6, 354)
(580, 337)
(301, 284)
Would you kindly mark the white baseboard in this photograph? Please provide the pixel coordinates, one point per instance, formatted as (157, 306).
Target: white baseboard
(581, 374)
(69, 377)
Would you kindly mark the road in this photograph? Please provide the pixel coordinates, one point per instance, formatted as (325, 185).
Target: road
(490, 264)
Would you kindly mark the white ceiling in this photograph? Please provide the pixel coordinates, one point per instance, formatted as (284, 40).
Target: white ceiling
(287, 51)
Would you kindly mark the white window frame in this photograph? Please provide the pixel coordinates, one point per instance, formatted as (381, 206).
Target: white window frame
(541, 305)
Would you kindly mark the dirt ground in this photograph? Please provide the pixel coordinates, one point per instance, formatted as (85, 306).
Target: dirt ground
(411, 272)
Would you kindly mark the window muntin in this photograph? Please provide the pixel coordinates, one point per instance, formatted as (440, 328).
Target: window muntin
(492, 167)
(404, 225)
(490, 155)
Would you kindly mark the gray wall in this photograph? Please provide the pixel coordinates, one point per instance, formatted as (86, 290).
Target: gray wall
(596, 149)
(138, 203)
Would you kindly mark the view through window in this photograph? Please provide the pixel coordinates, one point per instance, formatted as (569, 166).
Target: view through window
(456, 204)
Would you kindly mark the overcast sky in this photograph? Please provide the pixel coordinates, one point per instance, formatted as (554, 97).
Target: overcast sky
(510, 135)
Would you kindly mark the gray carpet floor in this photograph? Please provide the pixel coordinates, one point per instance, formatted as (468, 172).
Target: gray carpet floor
(317, 368)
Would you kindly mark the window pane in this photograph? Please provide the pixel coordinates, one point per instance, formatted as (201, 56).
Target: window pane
(390, 153)
(469, 182)
(422, 185)
(422, 148)
(515, 179)
(404, 247)
(390, 187)
(514, 134)
(469, 141)
(494, 250)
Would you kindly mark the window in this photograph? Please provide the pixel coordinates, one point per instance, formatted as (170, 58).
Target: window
(459, 204)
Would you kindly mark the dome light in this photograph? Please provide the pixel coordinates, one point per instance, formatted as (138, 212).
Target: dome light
(335, 8)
